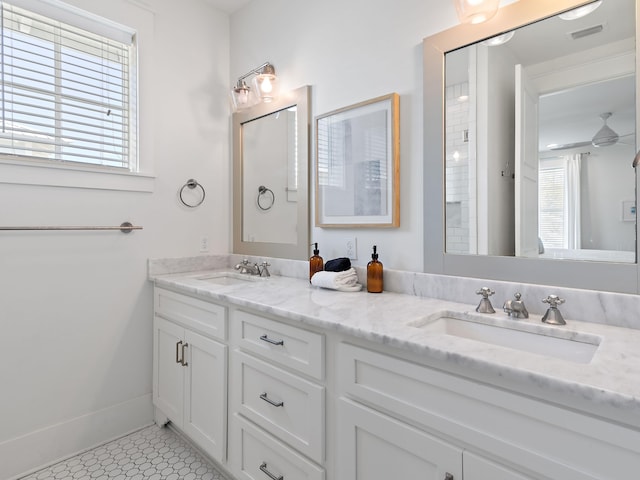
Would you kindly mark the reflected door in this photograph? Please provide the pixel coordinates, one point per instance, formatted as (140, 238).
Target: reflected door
(526, 165)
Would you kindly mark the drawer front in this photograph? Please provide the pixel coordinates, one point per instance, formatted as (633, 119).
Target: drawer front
(204, 317)
(260, 456)
(284, 404)
(289, 346)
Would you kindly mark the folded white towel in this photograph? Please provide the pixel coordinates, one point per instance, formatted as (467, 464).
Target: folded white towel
(345, 281)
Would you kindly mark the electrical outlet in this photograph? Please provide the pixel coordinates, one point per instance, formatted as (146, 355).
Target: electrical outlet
(204, 244)
(351, 250)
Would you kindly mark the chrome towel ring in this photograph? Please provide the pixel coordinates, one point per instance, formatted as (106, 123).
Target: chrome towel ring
(191, 183)
(266, 198)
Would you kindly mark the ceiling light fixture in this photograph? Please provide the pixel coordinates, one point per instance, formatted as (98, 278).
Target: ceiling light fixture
(605, 136)
(265, 87)
(580, 12)
(476, 11)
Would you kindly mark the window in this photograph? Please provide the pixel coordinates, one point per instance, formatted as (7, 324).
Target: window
(559, 202)
(552, 209)
(68, 87)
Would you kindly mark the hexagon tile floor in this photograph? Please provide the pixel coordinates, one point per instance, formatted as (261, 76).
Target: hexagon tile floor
(153, 453)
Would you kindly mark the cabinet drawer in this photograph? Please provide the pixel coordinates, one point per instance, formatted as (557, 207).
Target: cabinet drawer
(258, 453)
(284, 404)
(207, 318)
(290, 346)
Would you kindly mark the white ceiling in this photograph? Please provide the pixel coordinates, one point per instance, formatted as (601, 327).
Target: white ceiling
(228, 6)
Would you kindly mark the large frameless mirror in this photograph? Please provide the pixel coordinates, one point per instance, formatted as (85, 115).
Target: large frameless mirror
(270, 173)
(537, 112)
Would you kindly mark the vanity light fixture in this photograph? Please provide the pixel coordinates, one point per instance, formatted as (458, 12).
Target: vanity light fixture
(580, 11)
(265, 87)
(476, 11)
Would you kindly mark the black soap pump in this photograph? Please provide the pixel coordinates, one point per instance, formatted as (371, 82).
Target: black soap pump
(316, 264)
(374, 273)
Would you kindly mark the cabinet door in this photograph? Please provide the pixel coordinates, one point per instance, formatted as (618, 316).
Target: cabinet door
(478, 468)
(168, 375)
(205, 394)
(373, 446)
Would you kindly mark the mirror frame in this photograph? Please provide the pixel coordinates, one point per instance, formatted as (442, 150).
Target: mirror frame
(613, 277)
(301, 98)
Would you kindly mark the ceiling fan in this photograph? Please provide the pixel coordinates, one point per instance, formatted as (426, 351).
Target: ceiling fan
(605, 137)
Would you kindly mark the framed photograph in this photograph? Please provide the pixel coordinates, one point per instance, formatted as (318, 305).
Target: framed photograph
(358, 165)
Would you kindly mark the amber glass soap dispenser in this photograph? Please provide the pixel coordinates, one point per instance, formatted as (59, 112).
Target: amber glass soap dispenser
(374, 273)
(316, 264)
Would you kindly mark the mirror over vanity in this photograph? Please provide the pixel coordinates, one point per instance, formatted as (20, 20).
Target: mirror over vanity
(271, 177)
(529, 146)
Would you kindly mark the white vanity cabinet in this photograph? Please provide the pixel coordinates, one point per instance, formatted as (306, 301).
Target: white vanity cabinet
(402, 412)
(277, 401)
(306, 403)
(190, 368)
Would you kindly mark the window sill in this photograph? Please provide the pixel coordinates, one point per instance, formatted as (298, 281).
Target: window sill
(73, 176)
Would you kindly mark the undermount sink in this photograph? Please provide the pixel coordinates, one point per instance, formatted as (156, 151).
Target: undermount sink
(515, 334)
(229, 278)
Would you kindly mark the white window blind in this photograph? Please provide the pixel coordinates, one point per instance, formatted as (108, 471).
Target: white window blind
(552, 207)
(67, 94)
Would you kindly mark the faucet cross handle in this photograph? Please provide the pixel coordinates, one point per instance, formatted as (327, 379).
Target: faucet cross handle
(486, 292)
(553, 315)
(553, 301)
(264, 272)
(485, 304)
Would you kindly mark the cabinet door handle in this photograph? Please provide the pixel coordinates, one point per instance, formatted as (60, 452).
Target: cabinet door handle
(184, 364)
(178, 359)
(263, 468)
(264, 338)
(448, 476)
(268, 400)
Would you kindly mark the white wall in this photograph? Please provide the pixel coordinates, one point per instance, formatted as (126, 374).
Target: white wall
(76, 308)
(601, 222)
(349, 52)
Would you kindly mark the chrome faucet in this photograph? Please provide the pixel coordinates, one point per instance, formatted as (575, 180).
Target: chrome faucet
(553, 315)
(485, 304)
(246, 268)
(515, 308)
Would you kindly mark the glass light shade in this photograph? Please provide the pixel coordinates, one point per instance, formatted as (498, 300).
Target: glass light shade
(476, 11)
(266, 84)
(499, 40)
(242, 97)
(580, 11)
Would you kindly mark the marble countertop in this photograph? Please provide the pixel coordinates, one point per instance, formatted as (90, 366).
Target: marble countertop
(607, 386)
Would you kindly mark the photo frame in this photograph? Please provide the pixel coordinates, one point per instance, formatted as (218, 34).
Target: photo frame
(358, 165)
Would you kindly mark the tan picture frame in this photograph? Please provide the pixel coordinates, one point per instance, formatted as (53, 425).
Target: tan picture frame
(358, 165)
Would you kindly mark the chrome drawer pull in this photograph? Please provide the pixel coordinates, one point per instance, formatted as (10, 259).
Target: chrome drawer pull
(184, 364)
(178, 352)
(268, 400)
(264, 338)
(263, 468)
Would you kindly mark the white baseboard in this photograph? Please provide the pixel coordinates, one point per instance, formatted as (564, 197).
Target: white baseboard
(35, 450)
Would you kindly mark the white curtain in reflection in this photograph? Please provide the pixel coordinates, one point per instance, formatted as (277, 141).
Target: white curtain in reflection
(573, 165)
